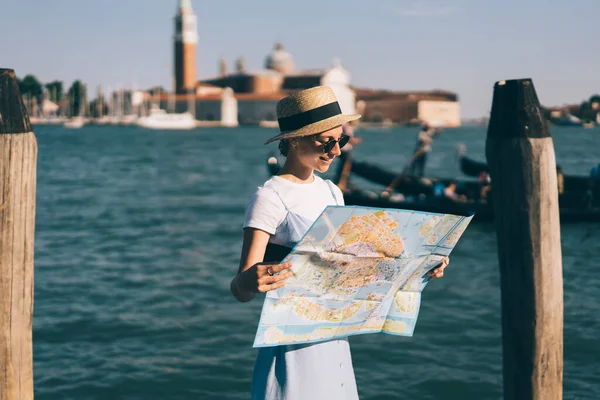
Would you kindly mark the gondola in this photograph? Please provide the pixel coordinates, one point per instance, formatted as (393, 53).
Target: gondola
(420, 200)
(574, 184)
(575, 190)
(471, 167)
(410, 185)
(405, 183)
(355, 196)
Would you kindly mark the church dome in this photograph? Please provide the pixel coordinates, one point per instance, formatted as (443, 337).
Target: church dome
(280, 60)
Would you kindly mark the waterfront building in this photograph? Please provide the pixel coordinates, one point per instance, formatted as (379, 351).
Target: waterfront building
(437, 107)
(258, 91)
(250, 96)
(185, 43)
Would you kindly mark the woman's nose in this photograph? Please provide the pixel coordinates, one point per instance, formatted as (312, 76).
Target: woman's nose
(336, 151)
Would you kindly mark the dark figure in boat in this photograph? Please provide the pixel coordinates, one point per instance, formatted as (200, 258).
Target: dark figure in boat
(423, 147)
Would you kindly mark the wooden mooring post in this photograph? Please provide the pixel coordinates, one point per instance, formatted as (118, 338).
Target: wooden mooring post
(522, 165)
(18, 155)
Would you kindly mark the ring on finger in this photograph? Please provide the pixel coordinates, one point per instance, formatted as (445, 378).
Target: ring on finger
(270, 271)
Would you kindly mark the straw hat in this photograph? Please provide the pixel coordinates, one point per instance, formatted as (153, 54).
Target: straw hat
(309, 112)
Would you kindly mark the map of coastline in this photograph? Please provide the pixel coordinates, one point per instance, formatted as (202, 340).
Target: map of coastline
(357, 270)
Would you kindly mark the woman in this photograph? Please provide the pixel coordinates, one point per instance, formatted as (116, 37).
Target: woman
(277, 217)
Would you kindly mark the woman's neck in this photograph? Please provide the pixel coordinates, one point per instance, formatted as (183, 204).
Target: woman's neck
(296, 172)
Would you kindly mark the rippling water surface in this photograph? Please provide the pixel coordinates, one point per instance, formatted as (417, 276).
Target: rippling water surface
(139, 234)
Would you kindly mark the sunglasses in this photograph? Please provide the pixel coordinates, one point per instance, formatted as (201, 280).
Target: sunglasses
(342, 141)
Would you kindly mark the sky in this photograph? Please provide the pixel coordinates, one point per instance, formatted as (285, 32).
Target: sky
(459, 45)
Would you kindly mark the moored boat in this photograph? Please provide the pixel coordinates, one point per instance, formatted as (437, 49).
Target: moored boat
(75, 123)
(160, 119)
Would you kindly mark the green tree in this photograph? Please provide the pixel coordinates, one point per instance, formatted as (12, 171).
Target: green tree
(55, 90)
(30, 85)
(586, 113)
(96, 106)
(77, 98)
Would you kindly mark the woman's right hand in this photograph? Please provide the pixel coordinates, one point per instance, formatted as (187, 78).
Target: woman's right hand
(263, 277)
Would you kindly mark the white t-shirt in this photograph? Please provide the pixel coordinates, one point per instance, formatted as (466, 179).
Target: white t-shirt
(269, 207)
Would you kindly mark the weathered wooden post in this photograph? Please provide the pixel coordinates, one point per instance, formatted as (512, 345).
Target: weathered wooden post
(18, 154)
(522, 164)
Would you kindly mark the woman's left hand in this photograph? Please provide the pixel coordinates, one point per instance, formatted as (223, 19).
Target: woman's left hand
(438, 271)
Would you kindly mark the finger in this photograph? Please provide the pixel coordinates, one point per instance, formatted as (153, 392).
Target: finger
(266, 288)
(280, 267)
(441, 267)
(278, 277)
(436, 271)
(263, 269)
(268, 279)
(444, 263)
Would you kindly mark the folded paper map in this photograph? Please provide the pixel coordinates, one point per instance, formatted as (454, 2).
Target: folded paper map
(357, 270)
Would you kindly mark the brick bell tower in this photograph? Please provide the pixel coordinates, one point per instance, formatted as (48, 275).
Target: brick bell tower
(186, 39)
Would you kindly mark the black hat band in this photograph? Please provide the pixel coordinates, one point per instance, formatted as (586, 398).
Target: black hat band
(305, 118)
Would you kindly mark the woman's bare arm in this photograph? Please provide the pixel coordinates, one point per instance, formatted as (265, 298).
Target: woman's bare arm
(253, 276)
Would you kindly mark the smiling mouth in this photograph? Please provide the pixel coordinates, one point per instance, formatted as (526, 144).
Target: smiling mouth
(326, 159)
